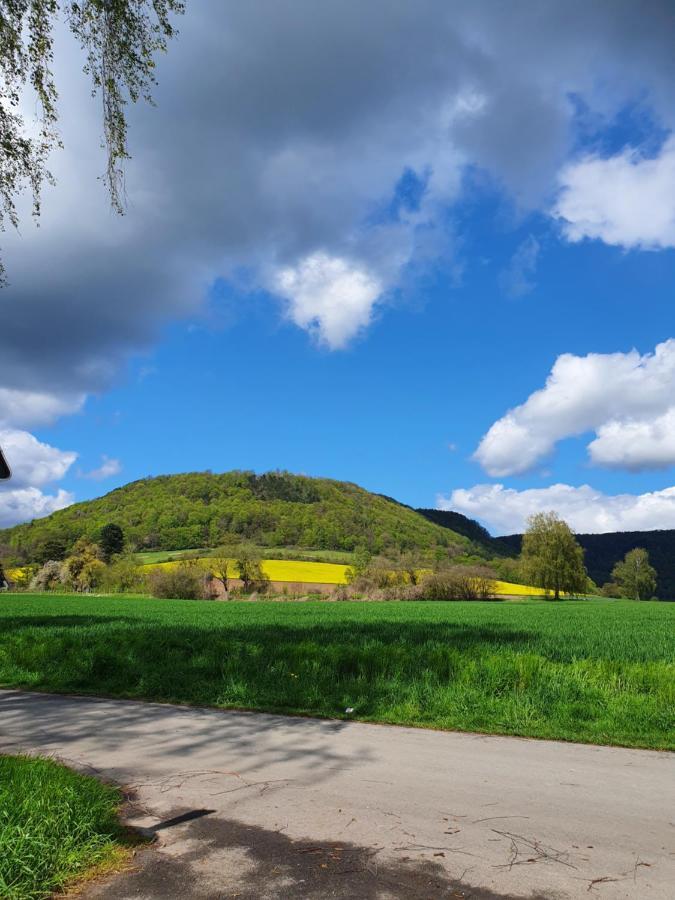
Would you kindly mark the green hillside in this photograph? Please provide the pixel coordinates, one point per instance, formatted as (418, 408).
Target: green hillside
(201, 509)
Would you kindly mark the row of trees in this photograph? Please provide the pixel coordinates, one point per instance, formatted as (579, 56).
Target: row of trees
(104, 566)
(553, 559)
(417, 576)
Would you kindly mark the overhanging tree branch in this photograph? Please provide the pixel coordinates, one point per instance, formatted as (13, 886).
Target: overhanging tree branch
(120, 39)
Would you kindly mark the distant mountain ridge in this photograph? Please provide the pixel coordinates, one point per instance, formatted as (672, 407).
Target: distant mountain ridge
(602, 551)
(462, 524)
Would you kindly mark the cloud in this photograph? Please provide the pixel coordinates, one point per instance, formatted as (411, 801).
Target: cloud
(517, 279)
(107, 469)
(278, 138)
(505, 510)
(19, 407)
(625, 200)
(24, 504)
(34, 464)
(626, 398)
(635, 444)
(330, 297)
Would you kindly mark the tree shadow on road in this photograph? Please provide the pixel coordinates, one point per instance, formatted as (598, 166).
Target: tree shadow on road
(219, 858)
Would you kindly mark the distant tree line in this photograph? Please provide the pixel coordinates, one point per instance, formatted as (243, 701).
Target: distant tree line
(603, 551)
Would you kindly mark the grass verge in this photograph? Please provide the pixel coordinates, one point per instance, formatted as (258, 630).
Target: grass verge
(593, 671)
(55, 826)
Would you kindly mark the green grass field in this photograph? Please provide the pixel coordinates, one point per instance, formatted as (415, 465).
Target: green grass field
(342, 557)
(55, 825)
(600, 672)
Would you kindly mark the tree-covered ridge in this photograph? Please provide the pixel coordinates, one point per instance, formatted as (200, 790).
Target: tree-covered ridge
(603, 551)
(462, 524)
(202, 509)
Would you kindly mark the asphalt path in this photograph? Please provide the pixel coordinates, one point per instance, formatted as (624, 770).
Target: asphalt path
(247, 805)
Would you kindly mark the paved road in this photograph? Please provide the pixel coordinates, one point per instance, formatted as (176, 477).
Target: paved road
(259, 806)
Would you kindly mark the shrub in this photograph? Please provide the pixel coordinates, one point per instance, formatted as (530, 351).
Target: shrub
(456, 583)
(123, 575)
(91, 576)
(264, 591)
(47, 577)
(460, 583)
(83, 569)
(178, 582)
(396, 592)
(22, 577)
(378, 573)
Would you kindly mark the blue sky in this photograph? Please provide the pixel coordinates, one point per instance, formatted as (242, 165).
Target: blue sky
(331, 282)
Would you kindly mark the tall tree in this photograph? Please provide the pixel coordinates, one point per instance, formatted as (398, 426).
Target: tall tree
(111, 540)
(222, 565)
(249, 568)
(551, 557)
(120, 39)
(635, 576)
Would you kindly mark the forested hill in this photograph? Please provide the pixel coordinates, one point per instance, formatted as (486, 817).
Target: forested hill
(201, 509)
(470, 528)
(604, 550)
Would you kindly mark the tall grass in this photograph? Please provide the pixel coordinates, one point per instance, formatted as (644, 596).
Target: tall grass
(602, 672)
(54, 825)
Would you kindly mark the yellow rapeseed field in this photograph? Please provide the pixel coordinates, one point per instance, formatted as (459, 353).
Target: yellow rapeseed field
(331, 573)
(297, 571)
(518, 590)
(285, 570)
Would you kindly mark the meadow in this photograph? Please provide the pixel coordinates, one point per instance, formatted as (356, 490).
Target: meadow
(593, 671)
(55, 826)
(342, 557)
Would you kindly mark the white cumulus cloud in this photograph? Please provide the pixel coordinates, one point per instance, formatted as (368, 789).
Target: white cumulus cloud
(329, 296)
(625, 200)
(635, 444)
(27, 503)
(26, 407)
(628, 399)
(505, 510)
(34, 464)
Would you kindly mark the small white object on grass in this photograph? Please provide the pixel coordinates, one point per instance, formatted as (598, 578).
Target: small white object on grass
(350, 709)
